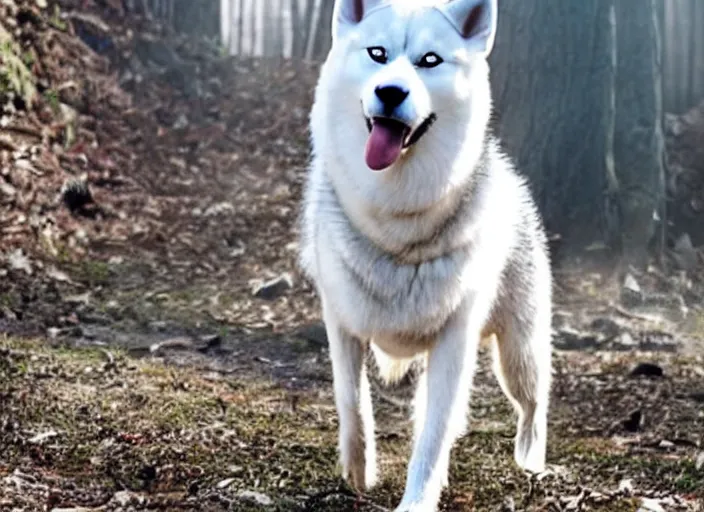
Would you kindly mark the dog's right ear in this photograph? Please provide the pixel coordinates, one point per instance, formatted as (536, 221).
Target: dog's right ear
(475, 21)
(350, 12)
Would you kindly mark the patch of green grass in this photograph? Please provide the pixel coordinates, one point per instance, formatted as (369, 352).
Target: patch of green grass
(8, 300)
(15, 75)
(52, 98)
(690, 480)
(91, 272)
(56, 21)
(29, 59)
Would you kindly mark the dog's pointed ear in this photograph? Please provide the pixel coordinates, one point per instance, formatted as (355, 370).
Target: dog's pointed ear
(351, 12)
(475, 20)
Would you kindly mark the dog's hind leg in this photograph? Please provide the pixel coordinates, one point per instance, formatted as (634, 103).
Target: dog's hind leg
(354, 406)
(522, 364)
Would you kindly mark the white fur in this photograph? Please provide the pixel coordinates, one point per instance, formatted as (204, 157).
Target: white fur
(426, 256)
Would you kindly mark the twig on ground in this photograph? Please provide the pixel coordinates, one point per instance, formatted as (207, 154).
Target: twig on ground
(630, 315)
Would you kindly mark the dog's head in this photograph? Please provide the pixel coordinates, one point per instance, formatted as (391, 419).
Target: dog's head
(403, 72)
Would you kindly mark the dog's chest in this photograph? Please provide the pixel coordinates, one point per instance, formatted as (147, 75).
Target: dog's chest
(373, 292)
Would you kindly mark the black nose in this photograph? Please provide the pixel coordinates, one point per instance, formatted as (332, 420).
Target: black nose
(391, 96)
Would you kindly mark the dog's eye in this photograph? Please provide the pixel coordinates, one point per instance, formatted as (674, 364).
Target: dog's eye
(429, 60)
(378, 54)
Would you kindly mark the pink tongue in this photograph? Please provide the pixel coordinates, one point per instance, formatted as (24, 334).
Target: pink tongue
(384, 144)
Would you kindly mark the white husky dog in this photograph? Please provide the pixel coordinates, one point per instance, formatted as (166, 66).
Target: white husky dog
(420, 236)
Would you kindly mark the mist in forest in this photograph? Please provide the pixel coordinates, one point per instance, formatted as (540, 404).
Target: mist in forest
(585, 95)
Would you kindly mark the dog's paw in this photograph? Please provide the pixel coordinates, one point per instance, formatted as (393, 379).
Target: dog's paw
(360, 476)
(416, 507)
(358, 462)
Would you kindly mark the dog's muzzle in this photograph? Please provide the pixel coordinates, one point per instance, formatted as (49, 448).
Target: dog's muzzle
(388, 137)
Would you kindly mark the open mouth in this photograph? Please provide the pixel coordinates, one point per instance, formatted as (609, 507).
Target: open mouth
(389, 137)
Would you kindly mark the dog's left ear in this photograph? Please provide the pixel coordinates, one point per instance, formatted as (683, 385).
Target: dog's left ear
(350, 12)
(475, 20)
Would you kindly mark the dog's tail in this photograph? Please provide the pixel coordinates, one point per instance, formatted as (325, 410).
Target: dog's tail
(391, 370)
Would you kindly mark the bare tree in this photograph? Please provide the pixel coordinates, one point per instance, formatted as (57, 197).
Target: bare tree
(226, 24)
(638, 141)
(323, 34)
(301, 26)
(550, 89)
(580, 110)
(241, 25)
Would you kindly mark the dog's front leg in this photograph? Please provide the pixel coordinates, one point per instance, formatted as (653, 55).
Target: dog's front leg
(450, 370)
(354, 406)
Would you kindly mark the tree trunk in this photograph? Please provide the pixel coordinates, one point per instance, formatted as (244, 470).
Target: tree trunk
(578, 107)
(638, 135)
(323, 36)
(298, 35)
(310, 28)
(240, 27)
(269, 29)
(551, 70)
(226, 25)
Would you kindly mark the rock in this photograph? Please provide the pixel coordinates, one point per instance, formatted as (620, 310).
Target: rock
(666, 445)
(172, 343)
(122, 498)
(606, 326)
(509, 505)
(650, 505)
(572, 339)
(699, 463)
(273, 288)
(225, 483)
(181, 122)
(255, 497)
(18, 261)
(624, 341)
(631, 292)
(626, 486)
(647, 370)
(635, 421)
(685, 255)
(210, 342)
(314, 333)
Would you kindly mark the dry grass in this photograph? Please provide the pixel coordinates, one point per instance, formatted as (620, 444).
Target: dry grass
(91, 427)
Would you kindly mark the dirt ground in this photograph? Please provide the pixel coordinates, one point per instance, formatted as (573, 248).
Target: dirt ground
(159, 349)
